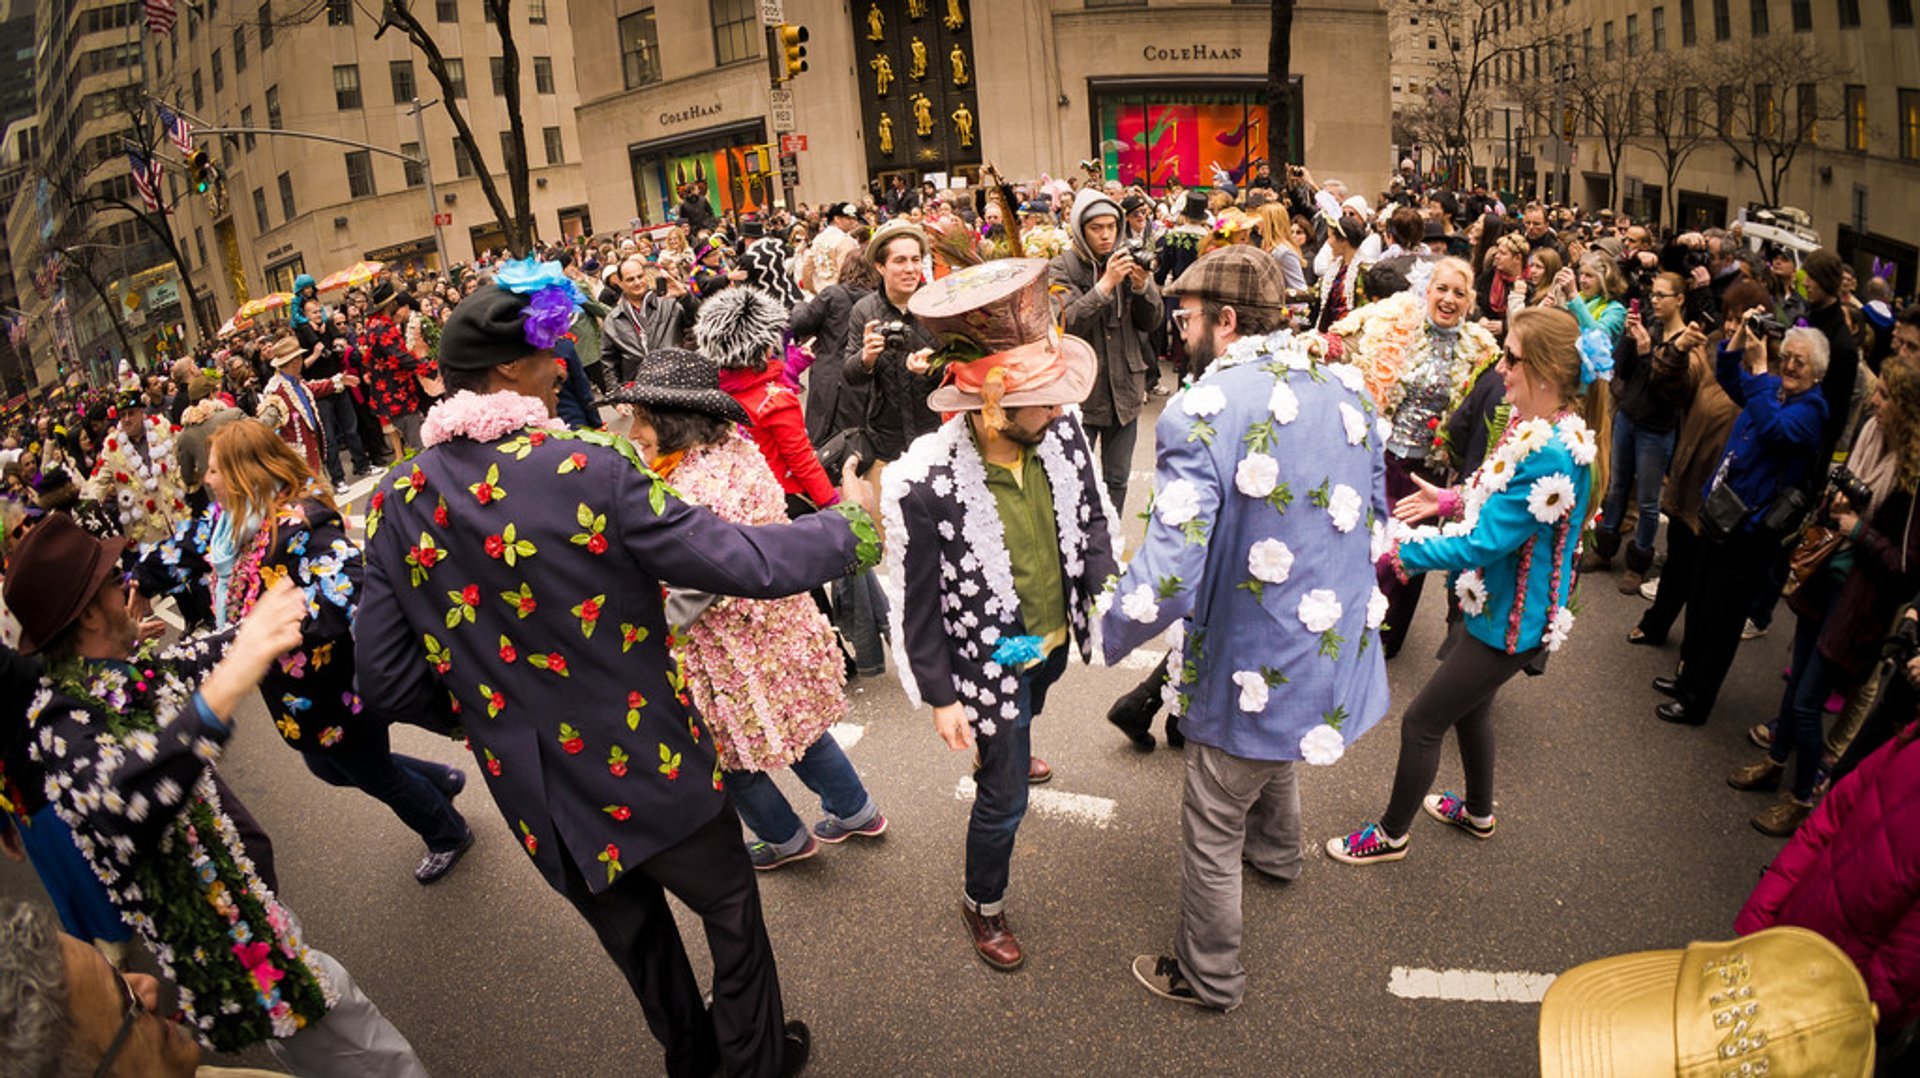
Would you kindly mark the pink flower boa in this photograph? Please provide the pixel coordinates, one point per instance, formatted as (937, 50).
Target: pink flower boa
(484, 417)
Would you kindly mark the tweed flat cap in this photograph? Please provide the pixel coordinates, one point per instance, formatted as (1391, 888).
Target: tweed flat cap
(1236, 276)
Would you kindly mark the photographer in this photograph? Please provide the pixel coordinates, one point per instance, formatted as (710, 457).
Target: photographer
(1111, 302)
(655, 311)
(1858, 561)
(1824, 271)
(889, 339)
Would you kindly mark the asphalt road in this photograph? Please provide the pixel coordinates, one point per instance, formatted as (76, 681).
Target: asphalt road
(1617, 833)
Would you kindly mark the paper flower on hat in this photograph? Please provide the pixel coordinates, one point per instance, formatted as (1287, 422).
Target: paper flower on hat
(553, 298)
(1596, 357)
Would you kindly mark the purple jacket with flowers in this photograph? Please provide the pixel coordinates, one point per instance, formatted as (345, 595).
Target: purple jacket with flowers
(513, 589)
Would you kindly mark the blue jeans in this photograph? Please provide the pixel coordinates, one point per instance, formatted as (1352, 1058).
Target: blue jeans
(416, 790)
(1640, 459)
(860, 613)
(826, 771)
(1000, 797)
(1798, 729)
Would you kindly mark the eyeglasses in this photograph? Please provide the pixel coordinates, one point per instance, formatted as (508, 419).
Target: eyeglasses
(1661, 295)
(136, 1010)
(1180, 316)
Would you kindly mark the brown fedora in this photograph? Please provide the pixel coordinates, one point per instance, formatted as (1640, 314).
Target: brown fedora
(56, 571)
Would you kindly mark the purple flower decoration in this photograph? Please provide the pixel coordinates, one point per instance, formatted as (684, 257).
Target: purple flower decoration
(549, 316)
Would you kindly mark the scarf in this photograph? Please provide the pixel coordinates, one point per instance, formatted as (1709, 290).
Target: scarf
(223, 552)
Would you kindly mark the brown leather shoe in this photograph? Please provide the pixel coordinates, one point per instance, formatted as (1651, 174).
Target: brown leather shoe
(1764, 775)
(1038, 771)
(1781, 820)
(992, 940)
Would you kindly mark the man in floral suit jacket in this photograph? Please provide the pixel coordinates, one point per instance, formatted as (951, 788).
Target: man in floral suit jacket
(513, 585)
(137, 474)
(1269, 482)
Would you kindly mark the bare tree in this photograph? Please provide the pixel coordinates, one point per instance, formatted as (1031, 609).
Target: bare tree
(1280, 87)
(1474, 42)
(1674, 94)
(1777, 106)
(1606, 97)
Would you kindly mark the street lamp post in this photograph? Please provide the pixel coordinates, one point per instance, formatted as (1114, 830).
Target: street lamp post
(419, 112)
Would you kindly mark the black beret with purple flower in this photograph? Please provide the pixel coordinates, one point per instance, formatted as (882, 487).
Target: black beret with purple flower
(529, 306)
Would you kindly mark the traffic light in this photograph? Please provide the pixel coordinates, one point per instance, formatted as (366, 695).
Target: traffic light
(1569, 122)
(793, 49)
(200, 169)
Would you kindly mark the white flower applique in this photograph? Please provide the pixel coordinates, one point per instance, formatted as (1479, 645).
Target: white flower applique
(1495, 473)
(1178, 503)
(1376, 608)
(1256, 475)
(1558, 628)
(1355, 423)
(1471, 589)
(1204, 401)
(1322, 745)
(1344, 506)
(1550, 498)
(1580, 441)
(1270, 561)
(1253, 690)
(1319, 610)
(1348, 375)
(1284, 403)
(1140, 605)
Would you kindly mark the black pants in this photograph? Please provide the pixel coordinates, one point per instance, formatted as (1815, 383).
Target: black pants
(1676, 582)
(1459, 696)
(709, 872)
(1403, 599)
(1726, 577)
(343, 432)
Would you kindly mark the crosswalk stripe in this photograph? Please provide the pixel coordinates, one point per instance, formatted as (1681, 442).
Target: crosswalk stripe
(848, 734)
(1077, 808)
(1468, 985)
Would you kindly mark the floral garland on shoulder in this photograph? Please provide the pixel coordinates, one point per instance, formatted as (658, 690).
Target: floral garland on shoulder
(1550, 500)
(221, 935)
(1387, 338)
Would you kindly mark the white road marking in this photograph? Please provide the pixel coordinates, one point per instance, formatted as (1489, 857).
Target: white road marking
(1468, 984)
(1143, 659)
(848, 734)
(1078, 808)
(1140, 477)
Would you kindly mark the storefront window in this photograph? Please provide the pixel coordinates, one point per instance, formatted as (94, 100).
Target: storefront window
(1154, 137)
(735, 166)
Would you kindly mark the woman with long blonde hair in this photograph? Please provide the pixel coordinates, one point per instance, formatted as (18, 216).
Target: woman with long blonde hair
(1276, 235)
(1509, 552)
(270, 520)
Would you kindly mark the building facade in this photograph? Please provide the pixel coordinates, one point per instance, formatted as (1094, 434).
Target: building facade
(1149, 91)
(295, 205)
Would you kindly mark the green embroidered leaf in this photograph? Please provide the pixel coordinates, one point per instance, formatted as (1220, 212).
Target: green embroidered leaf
(1168, 587)
(1330, 642)
(1259, 437)
(1255, 585)
(1272, 677)
(583, 515)
(1202, 432)
(1196, 531)
(1280, 497)
(657, 498)
(1320, 495)
(1335, 717)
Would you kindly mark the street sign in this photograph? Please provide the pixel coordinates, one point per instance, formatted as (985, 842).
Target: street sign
(773, 12)
(789, 178)
(792, 144)
(442, 220)
(782, 103)
(789, 161)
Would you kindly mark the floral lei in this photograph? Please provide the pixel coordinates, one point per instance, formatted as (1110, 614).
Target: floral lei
(138, 477)
(1550, 500)
(222, 936)
(1387, 339)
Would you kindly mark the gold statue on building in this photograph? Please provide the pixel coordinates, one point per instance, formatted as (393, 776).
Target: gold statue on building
(959, 60)
(885, 132)
(922, 115)
(954, 19)
(916, 9)
(876, 23)
(963, 124)
(917, 63)
(882, 75)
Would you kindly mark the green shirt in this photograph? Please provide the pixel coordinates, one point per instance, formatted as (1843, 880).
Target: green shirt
(1025, 501)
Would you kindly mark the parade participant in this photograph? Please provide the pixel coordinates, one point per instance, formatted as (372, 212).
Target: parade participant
(137, 475)
(766, 675)
(1510, 558)
(1111, 303)
(830, 248)
(128, 741)
(740, 332)
(1275, 596)
(325, 344)
(765, 264)
(393, 372)
(515, 568)
(273, 520)
(1419, 356)
(289, 402)
(1335, 294)
(998, 541)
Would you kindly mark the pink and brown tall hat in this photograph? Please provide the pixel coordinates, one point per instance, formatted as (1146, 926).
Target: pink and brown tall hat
(1001, 310)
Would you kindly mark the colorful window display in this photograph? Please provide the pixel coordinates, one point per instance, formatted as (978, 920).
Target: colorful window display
(1156, 137)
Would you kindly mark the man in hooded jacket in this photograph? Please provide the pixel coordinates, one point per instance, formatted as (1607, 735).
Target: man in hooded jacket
(1112, 303)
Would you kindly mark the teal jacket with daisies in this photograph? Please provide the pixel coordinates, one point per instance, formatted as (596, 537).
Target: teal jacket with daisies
(1512, 550)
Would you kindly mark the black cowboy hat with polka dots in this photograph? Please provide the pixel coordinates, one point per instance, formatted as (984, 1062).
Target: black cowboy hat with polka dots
(678, 379)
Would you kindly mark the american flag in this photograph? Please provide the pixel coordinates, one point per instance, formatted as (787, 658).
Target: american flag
(160, 16)
(146, 179)
(177, 128)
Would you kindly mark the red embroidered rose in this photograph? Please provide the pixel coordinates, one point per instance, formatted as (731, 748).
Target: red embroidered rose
(497, 701)
(470, 595)
(507, 651)
(496, 546)
(589, 610)
(596, 543)
(483, 492)
(578, 460)
(526, 605)
(621, 813)
(613, 852)
(379, 499)
(121, 477)
(557, 663)
(572, 746)
(634, 699)
(440, 514)
(533, 844)
(537, 437)
(493, 767)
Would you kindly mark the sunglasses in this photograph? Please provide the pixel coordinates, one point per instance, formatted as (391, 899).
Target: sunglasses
(136, 1010)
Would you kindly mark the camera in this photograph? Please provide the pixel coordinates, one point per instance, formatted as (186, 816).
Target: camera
(1858, 494)
(894, 334)
(1140, 251)
(1767, 325)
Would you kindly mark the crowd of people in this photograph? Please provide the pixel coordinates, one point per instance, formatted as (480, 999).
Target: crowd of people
(639, 507)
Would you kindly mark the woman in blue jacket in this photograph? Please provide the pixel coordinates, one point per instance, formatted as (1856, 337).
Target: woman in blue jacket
(1509, 547)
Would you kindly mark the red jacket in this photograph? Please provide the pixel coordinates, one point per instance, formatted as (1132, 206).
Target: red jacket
(780, 430)
(1852, 874)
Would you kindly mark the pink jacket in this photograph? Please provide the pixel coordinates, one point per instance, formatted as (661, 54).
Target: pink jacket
(1852, 874)
(780, 429)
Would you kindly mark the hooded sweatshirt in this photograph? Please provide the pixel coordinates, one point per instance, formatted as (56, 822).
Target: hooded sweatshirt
(1116, 323)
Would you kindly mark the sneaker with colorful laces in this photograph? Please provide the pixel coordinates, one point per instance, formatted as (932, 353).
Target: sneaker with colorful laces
(1449, 809)
(1367, 846)
(832, 830)
(766, 856)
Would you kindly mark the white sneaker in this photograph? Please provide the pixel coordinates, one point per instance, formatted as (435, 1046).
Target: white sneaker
(1752, 631)
(1650, 590)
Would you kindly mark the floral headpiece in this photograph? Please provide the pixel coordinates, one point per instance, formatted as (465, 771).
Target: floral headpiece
(1596, 357)
(553, 298)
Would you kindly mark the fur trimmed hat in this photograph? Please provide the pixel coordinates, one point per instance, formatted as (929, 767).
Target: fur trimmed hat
(739, 328)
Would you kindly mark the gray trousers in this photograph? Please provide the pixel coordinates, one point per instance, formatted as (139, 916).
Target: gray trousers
(353, 1040)
(1231, 809)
